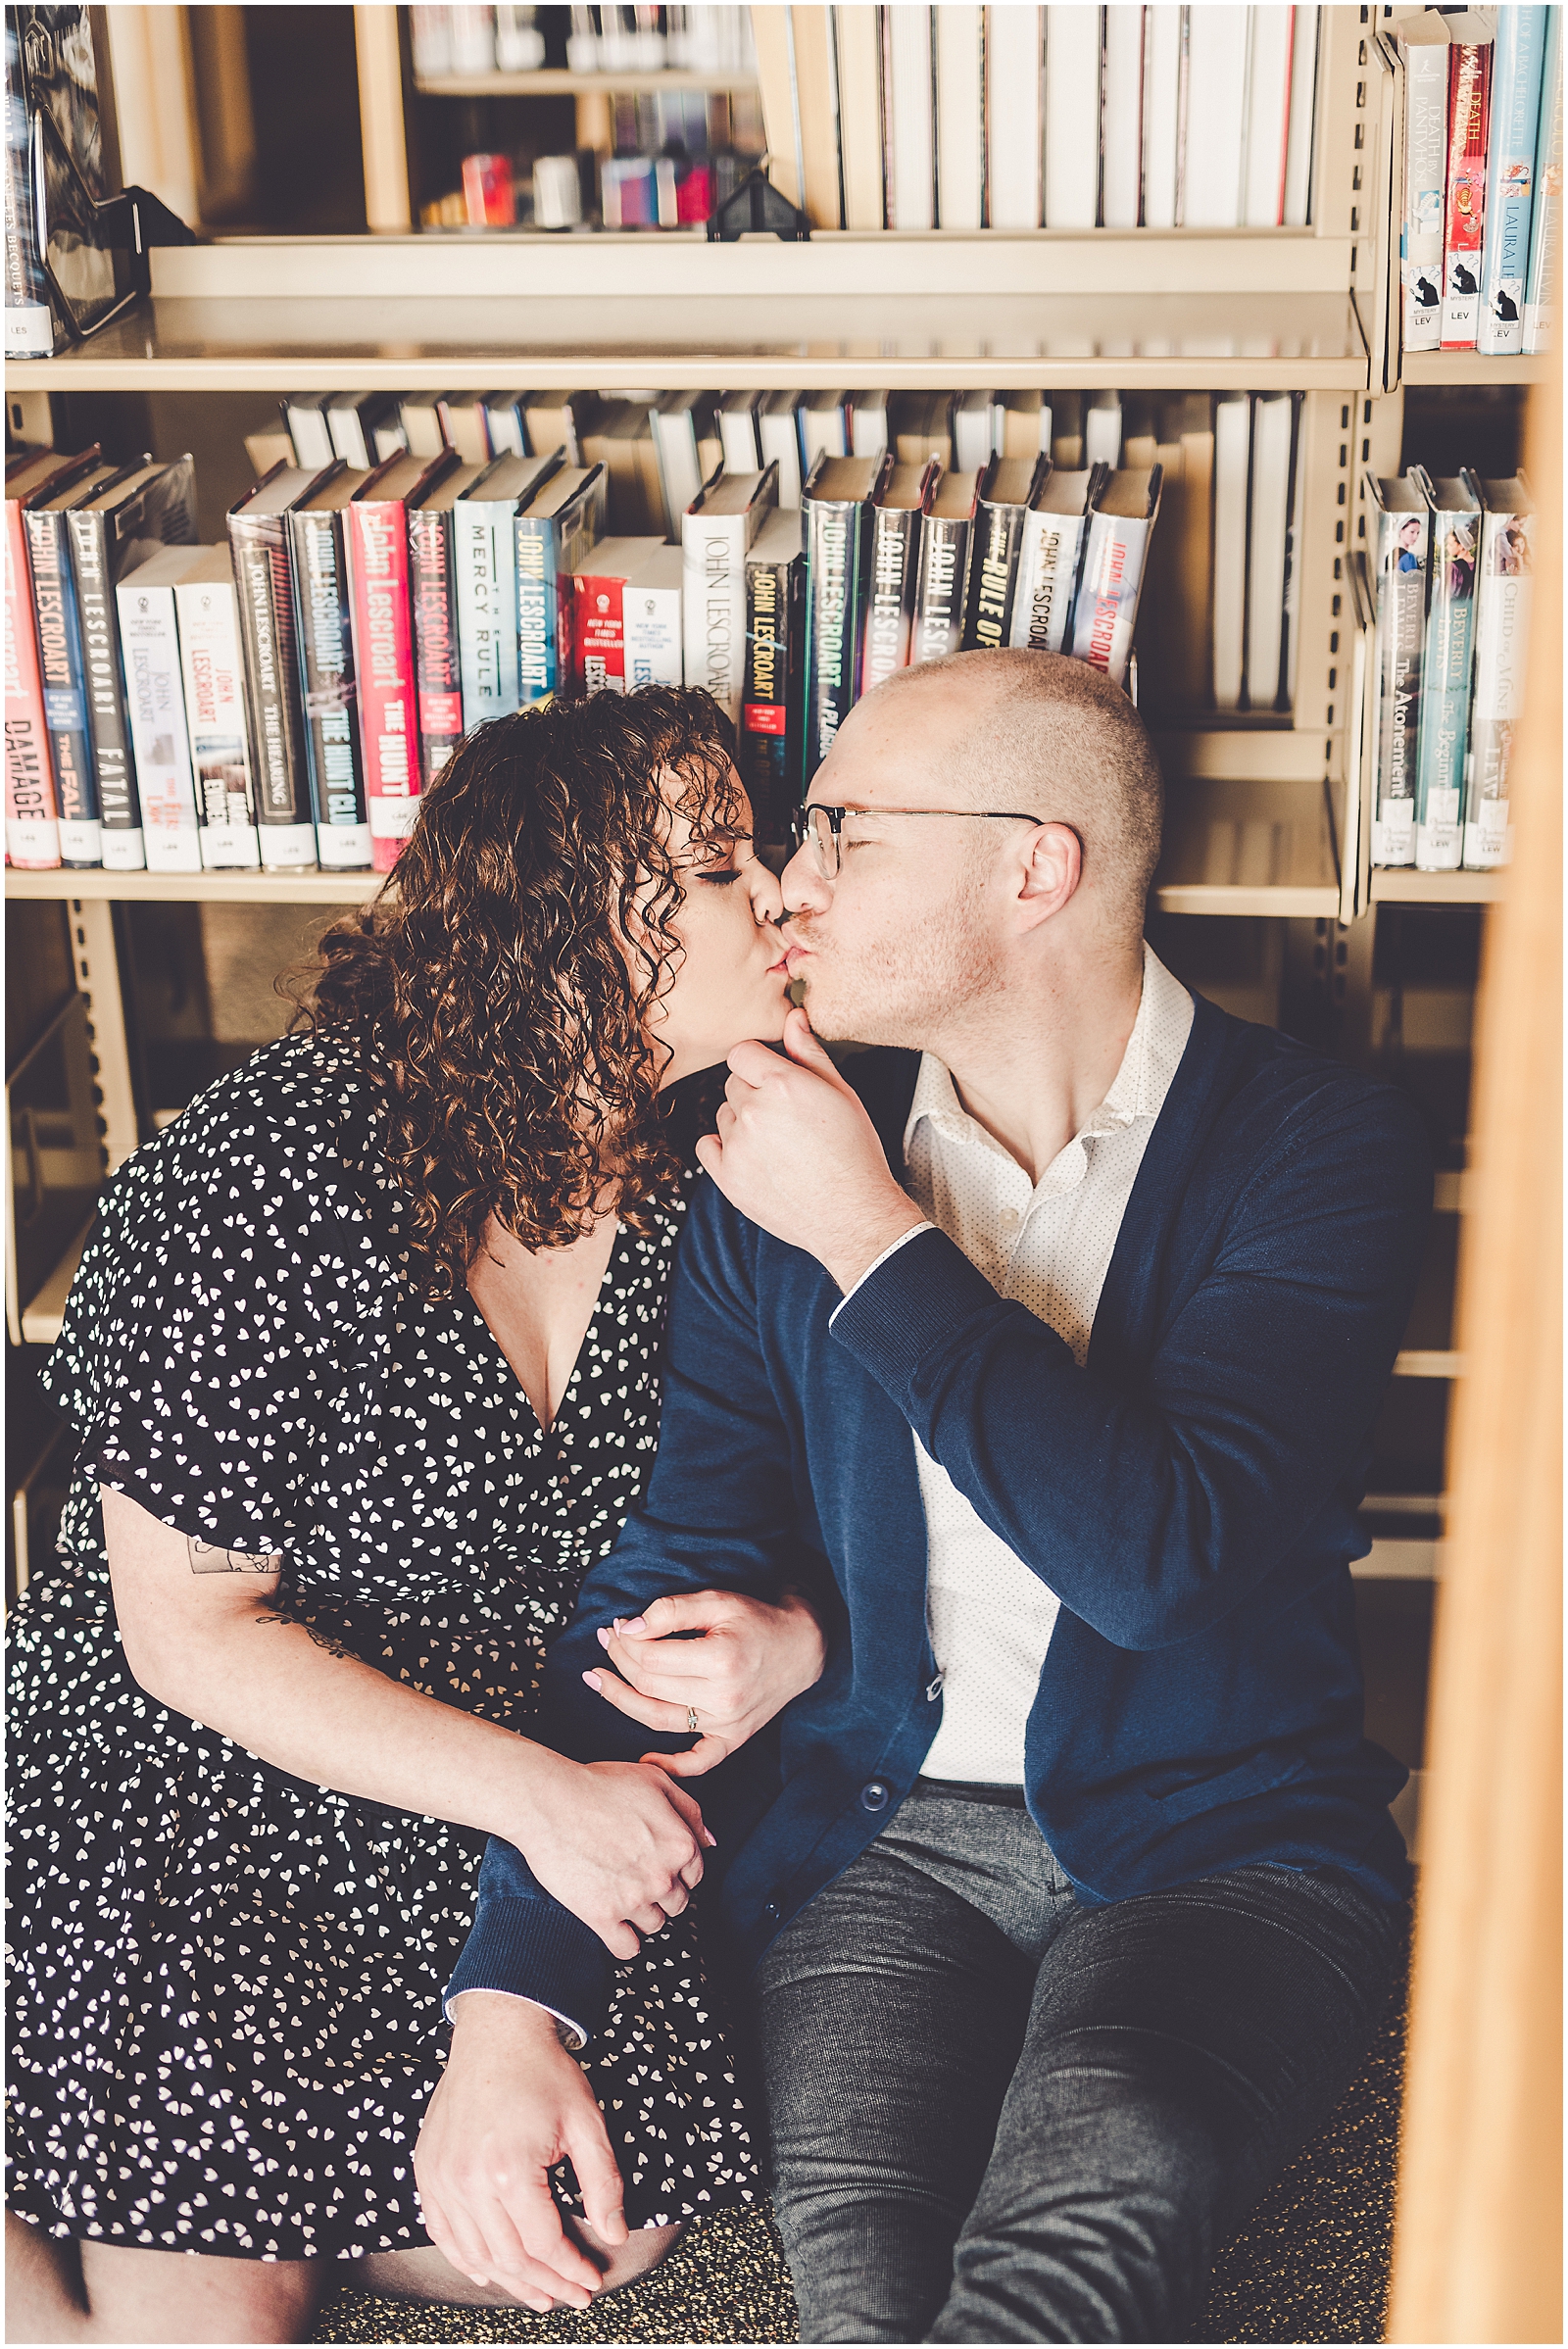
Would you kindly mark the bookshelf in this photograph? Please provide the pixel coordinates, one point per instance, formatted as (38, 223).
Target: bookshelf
(560, 82)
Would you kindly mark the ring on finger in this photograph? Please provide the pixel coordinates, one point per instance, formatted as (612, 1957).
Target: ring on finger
(691, 1720)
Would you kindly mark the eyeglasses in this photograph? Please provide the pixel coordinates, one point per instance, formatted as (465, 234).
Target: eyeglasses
(823, 827)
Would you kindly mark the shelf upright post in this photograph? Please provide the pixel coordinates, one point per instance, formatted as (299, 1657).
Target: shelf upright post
(97, 968)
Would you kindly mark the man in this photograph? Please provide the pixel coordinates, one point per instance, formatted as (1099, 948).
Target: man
(1046, 1350)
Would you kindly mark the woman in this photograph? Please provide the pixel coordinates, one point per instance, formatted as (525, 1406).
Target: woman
(362, 1355)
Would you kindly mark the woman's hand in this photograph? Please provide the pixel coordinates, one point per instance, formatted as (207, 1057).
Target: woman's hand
(750, 1660)
(617, 1844)
(510, 2105)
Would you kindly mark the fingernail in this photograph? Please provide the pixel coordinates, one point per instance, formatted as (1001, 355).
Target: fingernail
(710, 1841)
(636, 1629)
(591, 1681)
(603, 1636)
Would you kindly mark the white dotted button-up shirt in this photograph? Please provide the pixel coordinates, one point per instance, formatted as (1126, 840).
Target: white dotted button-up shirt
(1049, 1247)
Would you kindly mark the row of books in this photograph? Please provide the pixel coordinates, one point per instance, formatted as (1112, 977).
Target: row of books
(964, 117)
(1482, 179)
(469, 43)
(1455, 562)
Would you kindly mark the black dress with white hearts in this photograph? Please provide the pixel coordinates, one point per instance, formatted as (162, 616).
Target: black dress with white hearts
(226, 1983)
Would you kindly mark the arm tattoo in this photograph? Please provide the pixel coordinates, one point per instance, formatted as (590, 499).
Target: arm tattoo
(205, 1559)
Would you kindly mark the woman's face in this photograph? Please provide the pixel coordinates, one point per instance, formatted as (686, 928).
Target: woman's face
(730, 982)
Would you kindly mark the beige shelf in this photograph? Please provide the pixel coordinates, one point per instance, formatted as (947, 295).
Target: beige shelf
(1398, 885)
(208, 889)
(1423, 1362)
(1250, 846)
(40, 1321)
(1468, 367)
(554, 83)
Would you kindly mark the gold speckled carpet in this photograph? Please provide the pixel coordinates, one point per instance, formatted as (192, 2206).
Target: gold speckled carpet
(1310, 2264)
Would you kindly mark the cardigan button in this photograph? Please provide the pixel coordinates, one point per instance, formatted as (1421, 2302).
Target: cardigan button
(874, 1798)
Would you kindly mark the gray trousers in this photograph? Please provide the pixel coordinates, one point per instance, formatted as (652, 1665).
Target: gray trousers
(998, 2114)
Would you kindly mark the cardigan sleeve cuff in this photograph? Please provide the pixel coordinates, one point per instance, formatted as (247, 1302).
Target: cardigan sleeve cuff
(913, 1300)
(535, 1949)
(902, 1241)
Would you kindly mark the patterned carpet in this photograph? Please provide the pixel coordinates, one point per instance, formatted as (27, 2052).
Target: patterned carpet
(1310, 2264)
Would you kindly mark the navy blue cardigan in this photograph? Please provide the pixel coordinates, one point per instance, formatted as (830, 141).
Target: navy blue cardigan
(1190, 1496)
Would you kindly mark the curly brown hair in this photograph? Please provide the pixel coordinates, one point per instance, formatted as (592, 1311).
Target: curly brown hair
(498, 989)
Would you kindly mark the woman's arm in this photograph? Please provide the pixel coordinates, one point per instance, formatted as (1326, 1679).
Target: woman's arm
(614, 1842)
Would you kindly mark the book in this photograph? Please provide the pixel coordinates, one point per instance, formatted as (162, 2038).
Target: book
(1465, 198)
(621, 438)
(54, 162)
(484, 547)
(599, 590)
(389, 438)
(737, 431)
(978, 427)
(1008, 488)
(309, 428)
(433, 617)
(1214, 154)
(1276, 418)
(856, 36)
(1102, 422)
(1446, 665)
(1268, 117)
(1072, 116)
(1015, 74)
(921, 425)
(1517, 58)
(211, 670)
(1545, 209)
(62, 659)
(352, 422)
(1403, 544)
(909, 95)
(817, 84)
(29, 324)
(1295, 545)
(772, 32)
(323, 637)
(376, 536)
(465, 427)
(505, 423)
(1424, 45)
(1026, 421)
(839, 500)
(1051, 558)
(690, 451)
(554, 530)
(1121, 517)
(559, 421)
(1164, 31)
(1233, 437)
(149, 637)
(960, 145)
(1302, 117)
(152, 505)
(942, 587)
(419, 414)
(1067, 430)
(768, 738)
(1505, 592)
(1189, 616)
(1121, 116)
(32, 812)
(894, 570)
(258, 538)
(718, 532)
(778, 434)
(824, 427)
(868, 424)
(651, 621)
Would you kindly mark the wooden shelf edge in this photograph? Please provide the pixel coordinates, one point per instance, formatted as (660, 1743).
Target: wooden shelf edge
(1310, 903)
(1398, 885)
(1429, 1362)
(184, 889)
(550, 81)
(1470, 367)
(41, 1320)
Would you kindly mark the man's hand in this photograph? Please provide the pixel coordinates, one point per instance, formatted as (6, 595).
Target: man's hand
(622, 1848)
(752, 1659)
(511, 2104)
(796, 1152)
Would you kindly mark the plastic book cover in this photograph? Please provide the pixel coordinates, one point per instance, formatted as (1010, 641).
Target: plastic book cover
(1504, 593)
(1517, 58)
(212, 669)
(1545, 204)
(1008, 487)
(149, 636)
(54, 144)
(1446, 673)
(1116, 550)
(1403, 540)
(769, 736)
(323, 634)
(1424, 44)
(1464, 211)
(839, 499)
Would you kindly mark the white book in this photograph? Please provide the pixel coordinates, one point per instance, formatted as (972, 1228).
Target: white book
(716, 532)
(1505, 592)
(1304, 117)
(979, 423)
(1268, 117)
(960, 143)
(213, 672)
(1424, 40)
(1547, 202)
(1072, 116)
(858, 53)
(309, 429)
(1273, 432)
(824, 427)
(1048, 558)
(155, 699)
(779, 432)
(868, 424)
(1122, 114)
(1217, 109)
(680, 421)
(737, 431)
(1015, 85)
(1233, 417)
(1162, 77)
(651, 620)
(1103, 429)
(912, 164)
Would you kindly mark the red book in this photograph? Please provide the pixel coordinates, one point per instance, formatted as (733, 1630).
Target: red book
(32, 810)
(1469, 111)
(376, 540)
(598, 630)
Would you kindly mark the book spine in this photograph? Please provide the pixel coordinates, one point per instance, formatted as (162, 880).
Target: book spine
(992, 578)
(1402, 551)
(1516, 62)
(1504, 593)
(577, 533)
(1048, 580)
(119, 810)
(1546, 201)
(377, 539)
(1446, 694)
(259, 548)
(63, 668)
(1115, 549)
(32, 816)
(599, 635)
(149, 638)
(770, 711)
(713, 600)
(212, 671)
(942, 586)
(893, 578)
(538, 569)
(438, 674)
(1426, 138)
(485, 561)
(832, 582)
(652, 619)
(1469, 88)
(327, 692)
(29, 324)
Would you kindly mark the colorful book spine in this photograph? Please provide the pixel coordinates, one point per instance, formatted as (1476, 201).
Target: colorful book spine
(599, 633)
(32, 816)
(998, 543)
(893, 579)
(377, 538)
(838, 548)
(485, 561)
(258, 545)
(1517, 58)
(1425, 147)
(433, 602)
(108, 723)
(149, 637)
(549, 547)
(1446, 678)
(212, 669)
(652, 619)
(62, 665)
(1115, 551)
(1547, 202)
(28, 325)
(324, 637)
(1505, 595)
(1403, 539)
(770, 737)
(1465, 209)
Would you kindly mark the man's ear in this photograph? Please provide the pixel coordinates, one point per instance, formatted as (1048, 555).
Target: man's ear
(1051, 869)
